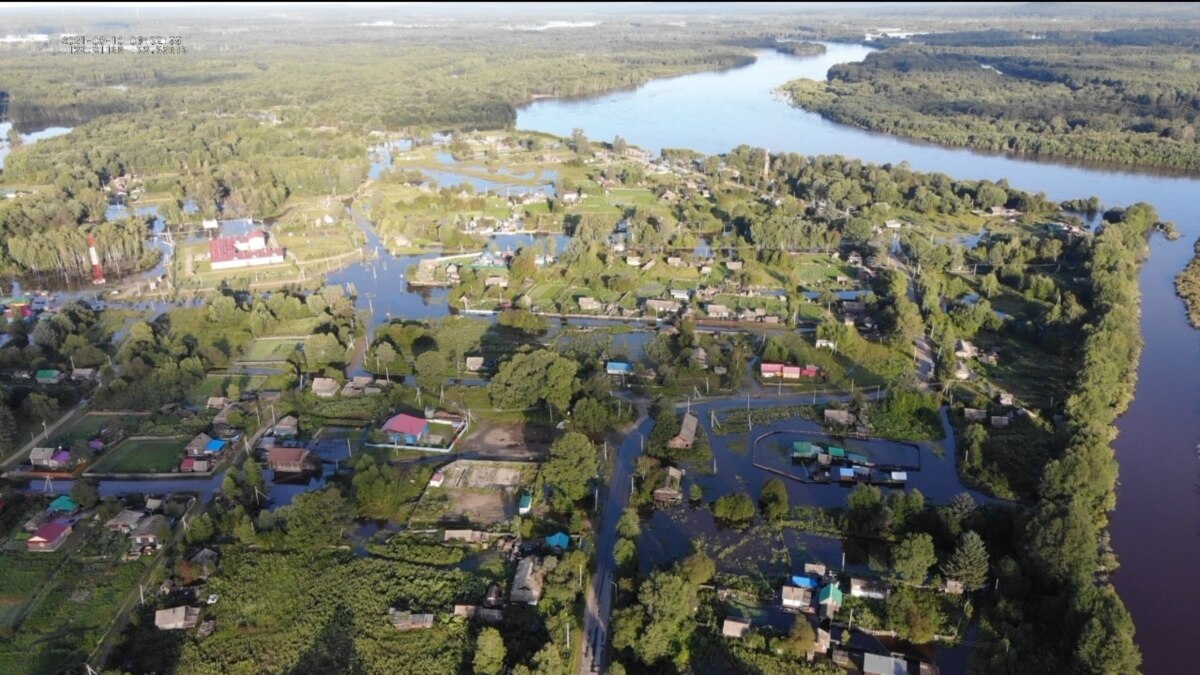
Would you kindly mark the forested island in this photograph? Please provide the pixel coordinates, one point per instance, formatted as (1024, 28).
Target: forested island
(800, 48)
(1121, 96)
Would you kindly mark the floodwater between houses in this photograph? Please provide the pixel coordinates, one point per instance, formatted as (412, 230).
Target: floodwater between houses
(1156, 527)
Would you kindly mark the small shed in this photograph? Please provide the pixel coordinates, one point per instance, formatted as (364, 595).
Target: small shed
(438, 478)
(474, 364)
(618, 368)
(525, 505)
(177, 618)
(735, 628)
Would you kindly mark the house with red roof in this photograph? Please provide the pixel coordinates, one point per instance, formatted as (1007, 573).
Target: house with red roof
(49, 537)
(770, 370)
(405, 429)
(227, 253)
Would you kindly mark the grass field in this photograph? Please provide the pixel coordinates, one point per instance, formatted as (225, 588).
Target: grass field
(218, 385)
(269, 350)
(158, 455)
(87, 427)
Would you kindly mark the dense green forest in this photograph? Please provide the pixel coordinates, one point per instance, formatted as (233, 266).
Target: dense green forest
(1126, 96)
(1187, 285)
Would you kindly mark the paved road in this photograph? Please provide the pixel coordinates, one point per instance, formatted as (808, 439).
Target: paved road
(599, 599)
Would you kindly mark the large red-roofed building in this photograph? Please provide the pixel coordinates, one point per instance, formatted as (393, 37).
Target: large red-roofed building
(246, 251)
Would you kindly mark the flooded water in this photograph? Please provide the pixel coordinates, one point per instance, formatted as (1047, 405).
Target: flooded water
(1156, 527)
(27, 139)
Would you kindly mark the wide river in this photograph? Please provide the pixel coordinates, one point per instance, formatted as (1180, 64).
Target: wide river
(1156, 528)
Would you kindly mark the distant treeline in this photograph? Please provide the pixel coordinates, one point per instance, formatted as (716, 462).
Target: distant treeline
(1128, 97)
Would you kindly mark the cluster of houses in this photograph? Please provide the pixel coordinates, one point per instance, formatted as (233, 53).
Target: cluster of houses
(1005, 417)
(201, 454)
(51, 527)
(327, 387)
(768, 370)
(836, 463)
(819, 592)
(147, 532)
(186, 616)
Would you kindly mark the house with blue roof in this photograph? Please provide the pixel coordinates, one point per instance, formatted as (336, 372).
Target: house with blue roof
(214, 446)
(558, 540)
(618, 368)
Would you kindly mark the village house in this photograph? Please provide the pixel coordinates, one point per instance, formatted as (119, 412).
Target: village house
(735, 628)
(961, 371)
(675, 261)
(661, 306)
(1000, 421)
(670, 492)
(571, 197)
(590, 304)
(527, 583)
(843, 418)
(865, 588)
(64, 505)
(49, 537)
(964, 349)
(288, 460)
(83, 374)
(876, 664)
(404, 429)
(618, 368)
(829, 599)
(495, 280)
(226, 253)
(205, 562)
(177, 618)
(325, 387)
(197, 446)
(525, 505)
(49, 377)
(288, 427)
(149, 534)
(687, 433)
(126, 521)
(794, 597)
(474, 364)
(770, 370)
(49, 458)
(734, 265)
(634, 261)
(717, 311)
(216, 402)
(404, 620)
(438, 478)
(1005, 399)
(680, 294)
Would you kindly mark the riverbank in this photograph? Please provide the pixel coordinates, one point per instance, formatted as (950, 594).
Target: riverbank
(1187, 285)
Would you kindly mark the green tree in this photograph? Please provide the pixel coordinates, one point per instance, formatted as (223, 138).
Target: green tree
(8, 429)
(317, 519)
(969, 562)
(698, 567)
(85, 493)
(489, 652)
(869, 515)
(591, 416)
(321, 350)
(431, 372)
(629, 525)
(912, 614)
(252, 475)
(571, 466)
(200, 529)
(1105, 642)
(774, 500)
(40, 407)
(736, 508)
(800, 639)
(912, 558)
(530, 378)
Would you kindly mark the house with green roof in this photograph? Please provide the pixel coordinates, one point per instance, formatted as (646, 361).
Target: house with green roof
(829, 600)
(48, 376)
(64, 504)
(803, 450)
